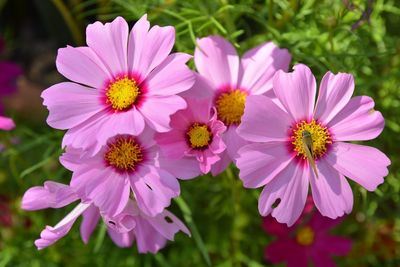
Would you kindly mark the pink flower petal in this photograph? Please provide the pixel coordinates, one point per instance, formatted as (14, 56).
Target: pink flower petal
(322, 224)
(154, 188)
(260, 64)
(8, 75)
(296, 91)
(137, 43)
(206, 159)
(334, 94)
(334, 245)
(125, 221)
(263, 121)
(147, 49)
(287, 250)
(216, 59)
(172, 144)
(70, 104)
(82, 65)
(6, 124)
(357, 121)
(148, 239)
(202, 88)
(272, 227)
(109, 41)
(199, 110)
(50, 235)
(95, 132)
(111, 194)
(51, 195)
(185, 168)
(233, 142)
(106, 188)
(172, 76)
(291, 187)
(90, 218)
(363, 164)
(330, 190)
(321, 259)
(222, 164)
(167, 224)
(260, 163)
(159, 118)
(122, 240)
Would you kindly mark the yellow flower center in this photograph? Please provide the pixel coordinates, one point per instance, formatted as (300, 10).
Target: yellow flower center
(305, 236)
(317, 135)
(124, 154)
(122, 93)
(199, 136)
(230, 106)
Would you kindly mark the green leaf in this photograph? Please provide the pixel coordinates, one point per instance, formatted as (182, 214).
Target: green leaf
(187, 215)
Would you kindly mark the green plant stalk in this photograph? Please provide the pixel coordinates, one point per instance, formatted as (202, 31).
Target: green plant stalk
(71, 23)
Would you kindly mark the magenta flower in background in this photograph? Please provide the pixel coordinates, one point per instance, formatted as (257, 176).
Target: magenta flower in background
(296, 143)
(120, 82)
(5, 212)
(229, 80)
(307, 241)
(150, 233)
(196, 134)
(125, 164)
(9, 73)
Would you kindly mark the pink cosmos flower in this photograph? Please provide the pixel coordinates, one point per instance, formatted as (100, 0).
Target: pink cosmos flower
(305, 242)
(196, 134)
(230, 80)
(125, 164)
(120, 82)
(297, 143)
(150, 233)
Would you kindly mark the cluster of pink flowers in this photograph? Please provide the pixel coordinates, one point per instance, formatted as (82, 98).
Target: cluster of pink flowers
(138, 120)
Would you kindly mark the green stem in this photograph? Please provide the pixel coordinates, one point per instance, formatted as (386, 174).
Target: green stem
(71, 23)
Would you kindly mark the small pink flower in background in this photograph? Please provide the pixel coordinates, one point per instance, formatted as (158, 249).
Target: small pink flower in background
(6, 124)
(296, 143)
(150, 233)
(125, 164)
(120, 82)
(230, 80)
(196, 134)
(307, 241)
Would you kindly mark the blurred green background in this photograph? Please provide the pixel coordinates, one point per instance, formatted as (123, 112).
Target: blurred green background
(358, 37)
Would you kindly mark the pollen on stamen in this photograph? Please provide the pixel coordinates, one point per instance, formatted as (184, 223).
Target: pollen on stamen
(124, 154)
(305, 236)
(320, 138)
(199, 136)
(230, 106)
(122, 93)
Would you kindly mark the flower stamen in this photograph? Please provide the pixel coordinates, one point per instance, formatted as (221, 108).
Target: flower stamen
(316, 135)
(230, 106)
(124, 154)
(305, 236)
(122, 93)
(199, 136)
